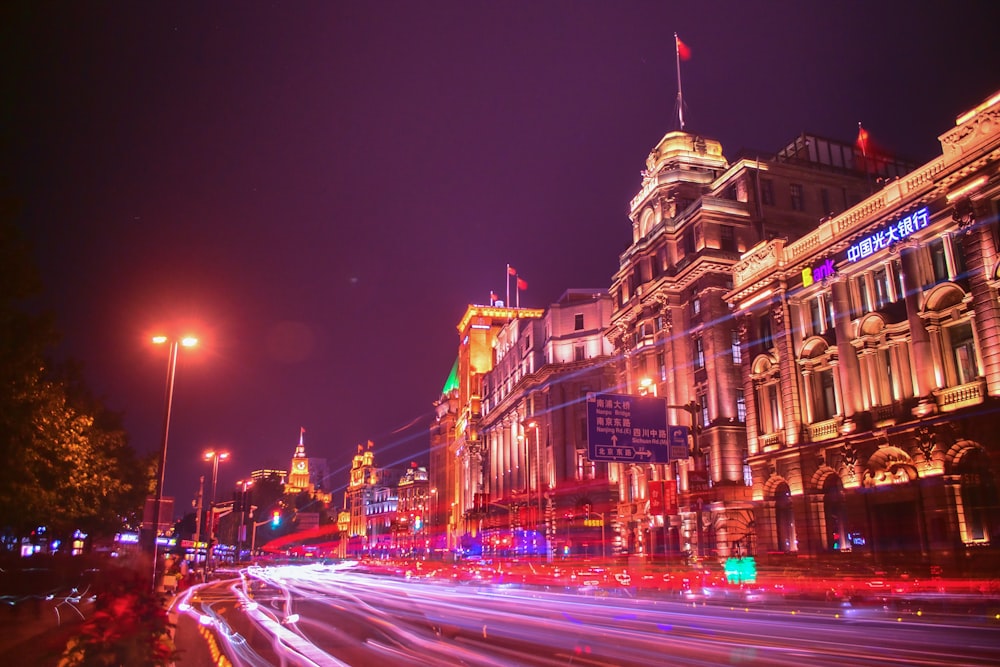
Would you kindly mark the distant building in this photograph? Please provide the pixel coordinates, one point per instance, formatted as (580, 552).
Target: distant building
(370, 503)
(302, 472)
(410, 534)
(268, 473)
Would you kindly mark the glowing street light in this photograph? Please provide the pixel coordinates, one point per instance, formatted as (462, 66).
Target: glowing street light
(174, 344)
(214, 456)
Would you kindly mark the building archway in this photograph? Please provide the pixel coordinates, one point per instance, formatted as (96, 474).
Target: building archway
(784, 518)
(978, 516)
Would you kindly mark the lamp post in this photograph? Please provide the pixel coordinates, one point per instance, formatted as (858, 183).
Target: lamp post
(168, 404)
(241, 534)
(214, 456)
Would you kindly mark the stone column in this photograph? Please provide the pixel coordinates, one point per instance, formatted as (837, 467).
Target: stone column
(920, 342)
(848, 368)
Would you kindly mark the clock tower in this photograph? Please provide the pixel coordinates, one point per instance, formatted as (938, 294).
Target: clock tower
(298, 473)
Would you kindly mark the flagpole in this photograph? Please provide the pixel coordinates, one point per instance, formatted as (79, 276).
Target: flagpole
(680, 95)
(506, 278)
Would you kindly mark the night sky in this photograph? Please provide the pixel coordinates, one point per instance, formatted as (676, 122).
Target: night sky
(318, 189)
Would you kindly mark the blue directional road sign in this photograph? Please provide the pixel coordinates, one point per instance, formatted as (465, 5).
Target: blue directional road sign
(678, 436)
(628, 428)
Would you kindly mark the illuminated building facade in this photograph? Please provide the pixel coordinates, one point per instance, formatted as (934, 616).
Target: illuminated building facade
(673, 332)
(456, 456)
(870, 352)
(410, 534)
(536, 483)
(303, 471)
(269, 473)
(370, 502)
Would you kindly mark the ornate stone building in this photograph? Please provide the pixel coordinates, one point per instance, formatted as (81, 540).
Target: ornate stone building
(673, 332)
(456, 456)
(370, 502)
(410, 530)
(870, 352)
(538, 483)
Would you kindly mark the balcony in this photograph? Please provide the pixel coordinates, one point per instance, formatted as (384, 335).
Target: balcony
(960, 396)
(769, 442)
(884, 415)
(824, 430)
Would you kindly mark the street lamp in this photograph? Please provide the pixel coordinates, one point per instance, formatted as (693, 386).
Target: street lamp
(187, 341)
(214, 456)
(241, 535)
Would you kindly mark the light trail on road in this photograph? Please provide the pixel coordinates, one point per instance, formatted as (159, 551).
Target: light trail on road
(336, 615)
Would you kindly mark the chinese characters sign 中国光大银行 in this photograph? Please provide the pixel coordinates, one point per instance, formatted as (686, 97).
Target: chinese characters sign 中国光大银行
(621, 427)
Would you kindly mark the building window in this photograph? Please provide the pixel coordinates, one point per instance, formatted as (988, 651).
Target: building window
(824, 395)
(703, 404)
(699, 353)
(696, 306)
(767, 192)
(881, 281)
(578, 322)
(816, 315)
(579, 353)
(939, 261)
(741, 406)
(764, 326)
(767, 405)
(798, 197)
(727, 238)
(963, 350)
(689, 241)
(824, 200)
(661, 364)
(735, 347)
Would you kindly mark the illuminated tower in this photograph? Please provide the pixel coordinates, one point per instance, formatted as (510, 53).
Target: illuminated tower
(298, 472)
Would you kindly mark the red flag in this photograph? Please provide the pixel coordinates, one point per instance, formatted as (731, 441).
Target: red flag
(862, 141)
(522, 283)
(683, 50)
(493, 297)
(511, 270)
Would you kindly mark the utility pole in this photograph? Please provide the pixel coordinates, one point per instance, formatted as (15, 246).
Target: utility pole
(197, 516)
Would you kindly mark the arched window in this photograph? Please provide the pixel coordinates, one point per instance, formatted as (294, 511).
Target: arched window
(979, 498)
(767, 398)
(949, 321)
(819, 383)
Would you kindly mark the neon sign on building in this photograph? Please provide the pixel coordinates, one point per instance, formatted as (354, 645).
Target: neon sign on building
(891, 233)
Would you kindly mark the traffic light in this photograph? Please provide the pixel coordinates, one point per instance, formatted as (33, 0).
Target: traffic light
(275, 518)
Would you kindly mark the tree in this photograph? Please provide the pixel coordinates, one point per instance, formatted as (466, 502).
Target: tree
(66, 460)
